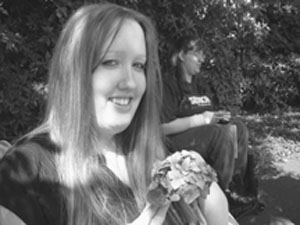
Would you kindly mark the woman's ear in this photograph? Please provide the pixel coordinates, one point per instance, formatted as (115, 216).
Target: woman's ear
(176, 57)
(180, 55)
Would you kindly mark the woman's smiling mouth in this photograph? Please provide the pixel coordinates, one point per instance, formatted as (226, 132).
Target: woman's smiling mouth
(121, 101)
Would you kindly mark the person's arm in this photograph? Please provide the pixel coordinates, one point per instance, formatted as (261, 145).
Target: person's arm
(7, 217)
(176, 126)
(182, 124)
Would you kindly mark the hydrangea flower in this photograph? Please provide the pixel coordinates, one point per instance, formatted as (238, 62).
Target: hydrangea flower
(182, 175)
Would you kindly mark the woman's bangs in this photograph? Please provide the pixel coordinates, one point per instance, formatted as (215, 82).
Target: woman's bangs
(105, 37)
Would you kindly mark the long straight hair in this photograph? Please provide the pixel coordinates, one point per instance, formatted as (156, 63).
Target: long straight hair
(70, 116)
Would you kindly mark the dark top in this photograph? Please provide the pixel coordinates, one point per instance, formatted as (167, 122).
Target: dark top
(29, 187)
(181, 99)
(29, 184)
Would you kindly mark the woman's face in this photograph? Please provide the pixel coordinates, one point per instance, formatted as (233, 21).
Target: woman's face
(119, 81)
(192, 61)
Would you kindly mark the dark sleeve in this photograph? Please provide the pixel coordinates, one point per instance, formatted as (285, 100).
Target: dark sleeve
(170, 105)
(21, 189)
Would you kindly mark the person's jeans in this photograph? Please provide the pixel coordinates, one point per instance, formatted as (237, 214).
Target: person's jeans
(214, 143)
(243, 148)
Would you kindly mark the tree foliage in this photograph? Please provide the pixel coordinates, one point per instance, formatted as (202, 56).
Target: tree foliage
(253, 56)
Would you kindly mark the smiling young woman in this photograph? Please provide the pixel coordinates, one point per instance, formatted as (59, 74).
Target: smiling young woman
(90, 160)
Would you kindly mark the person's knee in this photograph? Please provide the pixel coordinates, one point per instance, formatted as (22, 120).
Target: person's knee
(241, 128)
(216, 198)
(216, 206)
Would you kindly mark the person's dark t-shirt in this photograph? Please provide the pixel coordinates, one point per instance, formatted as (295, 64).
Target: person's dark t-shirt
(181, 99)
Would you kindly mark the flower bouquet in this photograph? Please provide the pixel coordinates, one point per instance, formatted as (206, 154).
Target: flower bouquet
(183, 176)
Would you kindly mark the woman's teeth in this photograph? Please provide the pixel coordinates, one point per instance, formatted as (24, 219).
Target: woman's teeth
(121, 101)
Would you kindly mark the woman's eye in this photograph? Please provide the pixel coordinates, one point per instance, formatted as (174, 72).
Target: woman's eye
(110, 62)
(140, 66)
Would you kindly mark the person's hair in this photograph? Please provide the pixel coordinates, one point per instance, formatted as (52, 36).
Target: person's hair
(185, 44)
(71, 121)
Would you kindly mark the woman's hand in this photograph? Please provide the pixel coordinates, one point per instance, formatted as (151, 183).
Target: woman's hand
(152, 215)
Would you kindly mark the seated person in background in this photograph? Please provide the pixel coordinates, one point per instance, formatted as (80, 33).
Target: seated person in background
(191, 121)
(90, 161)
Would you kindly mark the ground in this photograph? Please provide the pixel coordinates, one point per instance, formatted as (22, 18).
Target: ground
(275, 142)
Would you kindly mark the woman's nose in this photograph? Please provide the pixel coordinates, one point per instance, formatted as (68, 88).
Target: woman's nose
(128, 79)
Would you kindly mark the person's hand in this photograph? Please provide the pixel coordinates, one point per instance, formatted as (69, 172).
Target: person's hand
(202, 119)
(222, 116)
(209, 117)
(152, 215)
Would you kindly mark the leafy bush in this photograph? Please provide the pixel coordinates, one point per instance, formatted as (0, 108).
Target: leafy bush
(28, 31)
(252, 57)
(273, 85)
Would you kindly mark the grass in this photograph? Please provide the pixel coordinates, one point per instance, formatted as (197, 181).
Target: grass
(274, 139)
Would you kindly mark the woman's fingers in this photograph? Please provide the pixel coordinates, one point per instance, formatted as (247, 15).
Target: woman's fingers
(145, 216)
(152, 215)
(160, 215)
